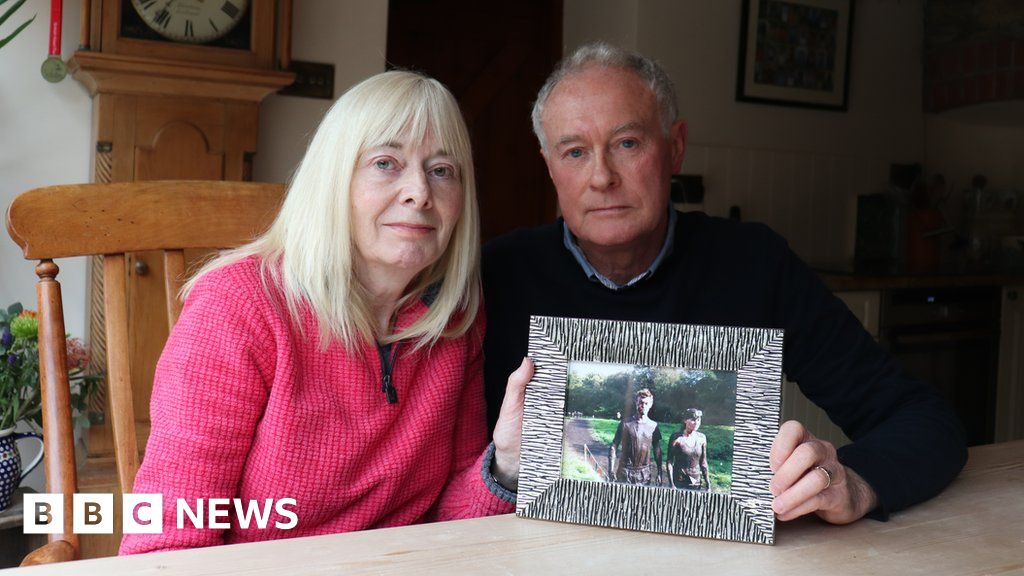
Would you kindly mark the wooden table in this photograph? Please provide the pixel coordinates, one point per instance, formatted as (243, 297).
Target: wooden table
(975, 527)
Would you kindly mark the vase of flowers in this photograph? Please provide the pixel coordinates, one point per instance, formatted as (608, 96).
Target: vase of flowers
(19, 390)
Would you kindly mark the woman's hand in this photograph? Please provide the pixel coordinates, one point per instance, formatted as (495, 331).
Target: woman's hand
(809, 478)
(509, 429)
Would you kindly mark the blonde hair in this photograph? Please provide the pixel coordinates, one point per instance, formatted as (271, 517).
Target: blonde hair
(308, 250)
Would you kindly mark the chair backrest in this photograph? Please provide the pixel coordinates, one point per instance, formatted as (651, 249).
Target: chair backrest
(111, 220)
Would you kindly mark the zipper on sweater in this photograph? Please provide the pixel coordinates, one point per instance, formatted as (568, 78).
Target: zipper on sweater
(388, 354)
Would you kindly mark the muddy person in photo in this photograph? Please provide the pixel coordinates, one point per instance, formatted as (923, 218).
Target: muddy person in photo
(629, 459)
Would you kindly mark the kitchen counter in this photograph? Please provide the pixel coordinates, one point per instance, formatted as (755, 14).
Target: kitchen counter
(961, 329)
(843, 277)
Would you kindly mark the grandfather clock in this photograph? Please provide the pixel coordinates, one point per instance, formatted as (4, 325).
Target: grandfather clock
(176, 86)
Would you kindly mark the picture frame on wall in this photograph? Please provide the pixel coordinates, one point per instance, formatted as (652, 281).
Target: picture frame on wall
(652, 427)
(795, 53)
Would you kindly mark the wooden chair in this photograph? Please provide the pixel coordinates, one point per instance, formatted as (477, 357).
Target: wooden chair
(112, 220)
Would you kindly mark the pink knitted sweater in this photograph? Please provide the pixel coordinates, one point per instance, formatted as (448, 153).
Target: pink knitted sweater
(245, 406)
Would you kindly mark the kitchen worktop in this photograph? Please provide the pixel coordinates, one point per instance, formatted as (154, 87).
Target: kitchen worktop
(847, 276)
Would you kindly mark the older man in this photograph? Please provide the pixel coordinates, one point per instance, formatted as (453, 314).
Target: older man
(608, 129)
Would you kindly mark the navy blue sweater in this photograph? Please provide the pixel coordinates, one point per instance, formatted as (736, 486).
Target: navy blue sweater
(907, 443)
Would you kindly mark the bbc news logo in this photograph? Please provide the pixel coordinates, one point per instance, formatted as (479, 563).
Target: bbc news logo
(144, 513)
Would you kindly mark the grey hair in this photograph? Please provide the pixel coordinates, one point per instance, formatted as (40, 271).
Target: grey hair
(605, 55)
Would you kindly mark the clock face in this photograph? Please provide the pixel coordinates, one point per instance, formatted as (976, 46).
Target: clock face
(192, 21)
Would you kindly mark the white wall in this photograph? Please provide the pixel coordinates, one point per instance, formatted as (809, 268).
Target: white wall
(613, 21)
(44, 139)
(698, 43)
(351, 34)
(961, 147)
(977, 140)
(799, 170)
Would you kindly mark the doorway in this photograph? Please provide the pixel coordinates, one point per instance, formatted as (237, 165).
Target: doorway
(494, 56)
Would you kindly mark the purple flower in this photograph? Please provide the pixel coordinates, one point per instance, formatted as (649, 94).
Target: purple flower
(6, 338)
(12, 359)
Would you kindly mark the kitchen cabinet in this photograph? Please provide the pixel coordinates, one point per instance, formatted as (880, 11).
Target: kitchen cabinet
(1010, 382)
(865, 305)
(867, 298)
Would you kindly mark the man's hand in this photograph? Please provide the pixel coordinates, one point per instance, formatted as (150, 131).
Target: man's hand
(836, 494)
(508, 431)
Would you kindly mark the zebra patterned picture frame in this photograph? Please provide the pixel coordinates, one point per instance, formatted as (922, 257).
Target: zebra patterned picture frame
(742, 513)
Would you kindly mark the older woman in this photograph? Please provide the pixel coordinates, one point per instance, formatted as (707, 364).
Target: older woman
(336, 360)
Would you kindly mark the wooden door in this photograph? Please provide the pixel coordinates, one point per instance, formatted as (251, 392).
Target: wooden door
(494, 56)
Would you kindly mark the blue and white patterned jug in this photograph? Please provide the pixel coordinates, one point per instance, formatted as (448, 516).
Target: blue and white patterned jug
(11, 473)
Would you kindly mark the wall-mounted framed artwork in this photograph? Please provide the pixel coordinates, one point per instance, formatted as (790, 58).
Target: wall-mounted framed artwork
(795, 53)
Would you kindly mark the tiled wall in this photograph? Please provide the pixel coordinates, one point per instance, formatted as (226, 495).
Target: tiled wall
(973, 72)
(809, 198)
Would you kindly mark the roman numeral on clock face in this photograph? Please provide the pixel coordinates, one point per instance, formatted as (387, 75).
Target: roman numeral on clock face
(191, 21)
(230, 9)
(163, 17)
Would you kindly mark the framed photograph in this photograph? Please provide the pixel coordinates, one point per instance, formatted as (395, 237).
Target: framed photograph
(795, 53)
(654, 427)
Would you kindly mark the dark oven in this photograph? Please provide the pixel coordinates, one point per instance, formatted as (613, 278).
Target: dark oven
(950, 338)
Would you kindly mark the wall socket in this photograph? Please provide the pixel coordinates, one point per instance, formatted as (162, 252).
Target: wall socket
(312, 80)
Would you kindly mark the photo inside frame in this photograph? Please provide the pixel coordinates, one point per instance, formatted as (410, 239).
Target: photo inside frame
(649, 425)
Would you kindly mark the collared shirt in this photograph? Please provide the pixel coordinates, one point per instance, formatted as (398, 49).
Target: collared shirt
(595, 276)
